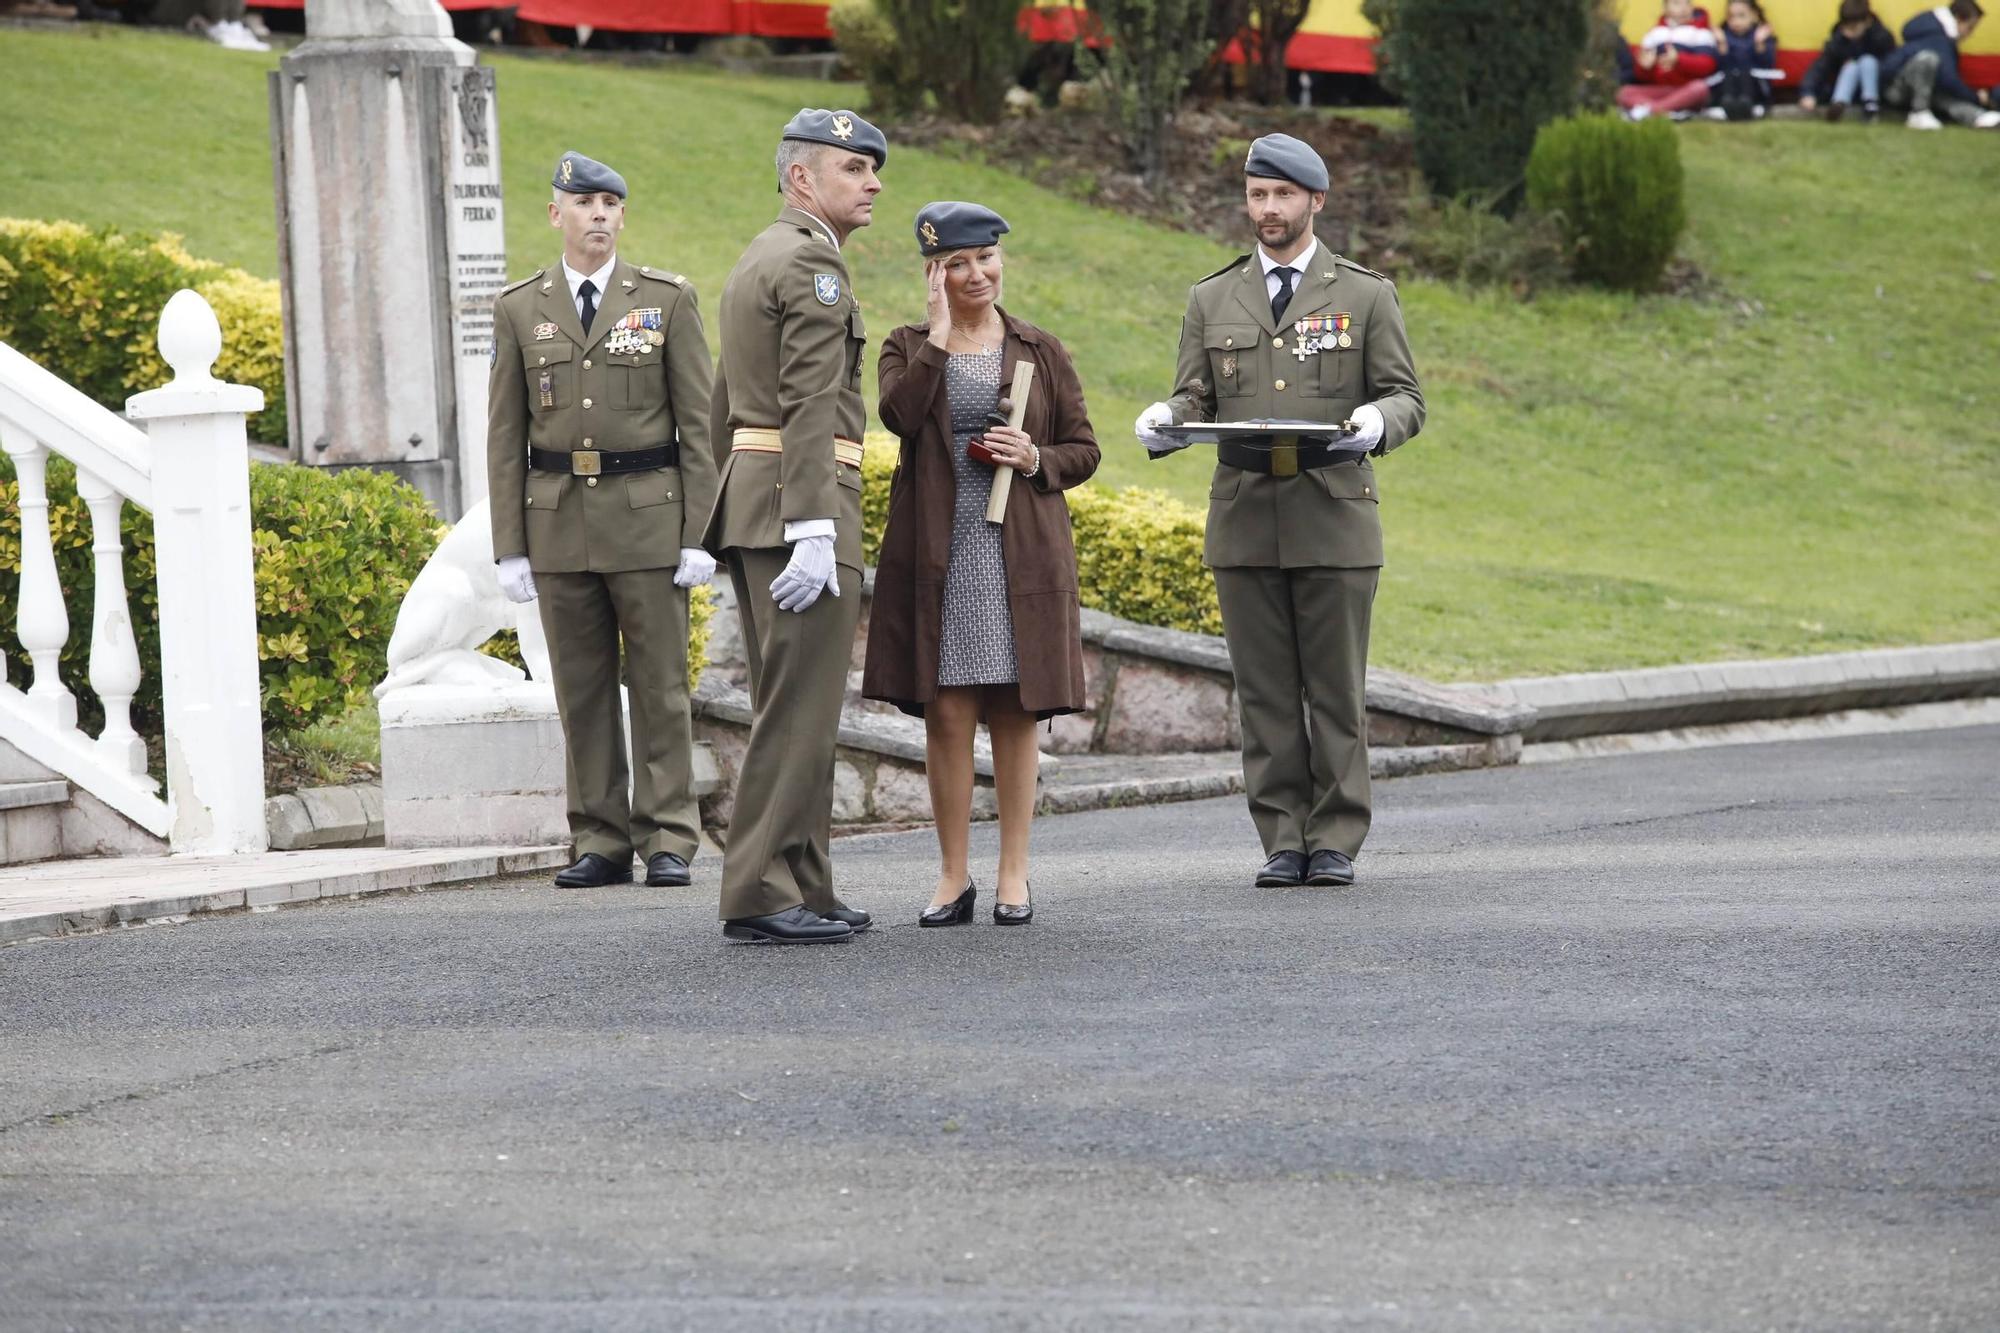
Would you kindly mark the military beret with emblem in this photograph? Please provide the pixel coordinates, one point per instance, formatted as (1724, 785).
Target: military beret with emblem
(1282, 157)
(841, 129)
(952, 224)
(577, 174)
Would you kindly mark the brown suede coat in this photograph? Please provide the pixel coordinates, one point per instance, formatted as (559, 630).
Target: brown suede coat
(906, 617)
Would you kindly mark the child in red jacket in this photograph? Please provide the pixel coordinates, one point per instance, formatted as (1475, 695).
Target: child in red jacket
(1673, 63)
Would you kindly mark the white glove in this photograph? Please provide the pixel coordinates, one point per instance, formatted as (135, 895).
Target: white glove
(1159, 414)
(697, 567)
(1369, 418)
(516, 579)
(811, 569)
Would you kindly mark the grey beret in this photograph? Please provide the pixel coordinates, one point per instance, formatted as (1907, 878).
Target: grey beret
(841, 129)
(577, 174)
(952, 225)
(1285, 158)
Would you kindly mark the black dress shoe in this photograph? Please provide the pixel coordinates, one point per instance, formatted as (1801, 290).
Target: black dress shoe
(1330, 867)
(1283, 871)
(664, 870)
(954, 913)
(1014, 914)
(590, 870)
(794, 925)
(856, 919)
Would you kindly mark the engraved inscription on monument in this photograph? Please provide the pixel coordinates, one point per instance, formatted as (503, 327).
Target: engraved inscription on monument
(477, 241)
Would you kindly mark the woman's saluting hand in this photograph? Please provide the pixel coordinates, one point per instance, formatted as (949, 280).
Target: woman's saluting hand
(937, 307)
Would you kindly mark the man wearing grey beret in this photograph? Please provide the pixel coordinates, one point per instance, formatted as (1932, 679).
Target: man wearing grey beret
(1292, 332)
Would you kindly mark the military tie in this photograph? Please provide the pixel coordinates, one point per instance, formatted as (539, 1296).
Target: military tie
(587, 291)
(1278, 302)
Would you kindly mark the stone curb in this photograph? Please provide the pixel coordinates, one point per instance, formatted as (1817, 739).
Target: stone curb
(1708, 694)
(314, 817)
(314, 878)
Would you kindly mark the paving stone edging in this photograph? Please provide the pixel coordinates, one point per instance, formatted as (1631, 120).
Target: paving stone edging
(314, 817)
(257, 883)
(1707, 694)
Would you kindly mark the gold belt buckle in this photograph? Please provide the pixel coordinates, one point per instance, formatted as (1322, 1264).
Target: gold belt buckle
(585, 463)
(1285, 457)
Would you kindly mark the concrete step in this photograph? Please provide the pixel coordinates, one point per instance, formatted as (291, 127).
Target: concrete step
(25, 795)
(31, 820)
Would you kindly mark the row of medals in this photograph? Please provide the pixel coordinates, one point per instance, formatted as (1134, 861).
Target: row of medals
(1320, 341)
(630, 342)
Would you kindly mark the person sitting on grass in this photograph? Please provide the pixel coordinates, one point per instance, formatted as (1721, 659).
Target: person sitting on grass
(1849, 63)
(1922, 74)
(1747, 64)
(1674, 61)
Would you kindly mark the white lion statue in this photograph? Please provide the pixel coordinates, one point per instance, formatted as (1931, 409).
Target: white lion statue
(453, 607)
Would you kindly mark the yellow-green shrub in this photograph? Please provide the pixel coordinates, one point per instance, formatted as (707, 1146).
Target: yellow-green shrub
(85, 303)
(335, 552)
(1138, 551)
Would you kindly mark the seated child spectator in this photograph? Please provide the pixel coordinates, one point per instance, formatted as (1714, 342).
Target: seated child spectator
(1674, 62)
(1922, 74)
(1746, 64)
(1850, 62)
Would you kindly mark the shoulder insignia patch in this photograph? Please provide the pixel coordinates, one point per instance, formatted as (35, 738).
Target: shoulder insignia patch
(826, 287)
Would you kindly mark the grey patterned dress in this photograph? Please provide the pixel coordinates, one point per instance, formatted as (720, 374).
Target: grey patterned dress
(977, 647)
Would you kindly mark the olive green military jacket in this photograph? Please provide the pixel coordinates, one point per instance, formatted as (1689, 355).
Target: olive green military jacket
(555, 387)
(792, 340)
(1237, 364)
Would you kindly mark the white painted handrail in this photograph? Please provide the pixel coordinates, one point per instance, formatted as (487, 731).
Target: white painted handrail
(190, 469)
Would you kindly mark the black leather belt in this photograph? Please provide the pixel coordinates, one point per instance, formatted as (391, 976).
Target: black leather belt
(1306, 456)
(599, 462)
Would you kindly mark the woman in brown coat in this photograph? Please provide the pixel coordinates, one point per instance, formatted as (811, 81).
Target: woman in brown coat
(972, 619)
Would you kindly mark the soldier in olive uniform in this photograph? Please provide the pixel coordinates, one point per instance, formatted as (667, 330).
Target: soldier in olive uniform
(600, 478)
(786, 422)
(1294, 332)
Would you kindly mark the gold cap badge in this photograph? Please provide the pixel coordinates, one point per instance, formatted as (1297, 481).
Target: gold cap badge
(843, 127)
(568, 170)
(930, 234)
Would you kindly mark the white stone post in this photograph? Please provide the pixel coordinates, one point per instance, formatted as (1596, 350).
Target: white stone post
(208, 601)
(42, 622)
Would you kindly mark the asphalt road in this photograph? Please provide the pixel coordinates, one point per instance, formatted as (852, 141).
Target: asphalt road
(1708, 1039)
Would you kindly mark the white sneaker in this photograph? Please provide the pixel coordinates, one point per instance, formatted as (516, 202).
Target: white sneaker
(1923, 120)
(1986, 120)
(235, 37)
(1639, 112)
(1716, 113)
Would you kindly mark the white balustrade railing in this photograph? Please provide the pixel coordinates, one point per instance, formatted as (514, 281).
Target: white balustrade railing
(190, 469)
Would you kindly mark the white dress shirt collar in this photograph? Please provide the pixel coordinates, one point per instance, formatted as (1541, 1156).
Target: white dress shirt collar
(600, 279)
(1299, 266)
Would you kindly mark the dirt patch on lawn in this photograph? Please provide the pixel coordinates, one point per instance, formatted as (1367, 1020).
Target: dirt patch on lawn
(1079, 154)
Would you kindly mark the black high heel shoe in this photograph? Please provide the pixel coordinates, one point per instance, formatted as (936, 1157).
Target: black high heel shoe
(1015, 914)
(957, 912)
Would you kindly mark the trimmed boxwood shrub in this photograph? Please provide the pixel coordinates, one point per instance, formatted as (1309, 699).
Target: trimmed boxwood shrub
(335, 552)
(1480, 77)
(1618, 190)
(85, 303)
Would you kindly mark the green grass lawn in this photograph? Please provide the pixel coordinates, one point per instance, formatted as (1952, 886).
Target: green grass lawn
(1810, 465)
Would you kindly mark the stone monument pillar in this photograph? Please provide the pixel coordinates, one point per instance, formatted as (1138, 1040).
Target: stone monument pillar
(386, 148)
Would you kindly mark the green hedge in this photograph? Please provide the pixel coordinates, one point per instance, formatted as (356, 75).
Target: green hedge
(85, 303)
(335, 552)
(1138, 551)
(1618, 190)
